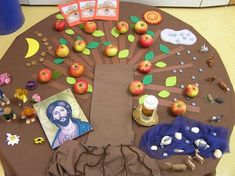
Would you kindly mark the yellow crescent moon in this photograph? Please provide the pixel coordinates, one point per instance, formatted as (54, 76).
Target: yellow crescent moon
(33, 47)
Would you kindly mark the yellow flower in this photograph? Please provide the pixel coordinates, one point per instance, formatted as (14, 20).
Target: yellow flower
(21, 94)
(39, 140)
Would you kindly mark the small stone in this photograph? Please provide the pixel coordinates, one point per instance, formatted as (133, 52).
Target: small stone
(174, 71)
(41, 59)
(154, 147)
(178, 150)
(193, 77)
(219, 100)
(210, 98)
(195, 130)
(44, 39)
(182, 86)
(180, 70)
(188, 52)
(214, 134)
(187, 128)
(175, 99)
(218, 153)
(187, 141)
(43, 54)
(165, 154)
(39, 34)
(187, 98)
(200, 70)
(181, 63)
(197, 84)
(46, 43)
(193, 104)
(166, 140)
(178, 135)
(194, 58)
(178, 54)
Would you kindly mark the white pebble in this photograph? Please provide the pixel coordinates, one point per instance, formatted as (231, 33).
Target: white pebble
(193, 104)
(187, 141)
(200, 70)
(181, 63)
(214, 134)
(187, 98)
(218, 153)
(178, 150)
(180, 70)
(175, 99)
(188, 52)
(165, 154)
(197, 84)
(195, 130)
(154, 147)
(174, 71)
(178, 135)
(193, 77)
(178, 53)
(194, 58)
(182, 86)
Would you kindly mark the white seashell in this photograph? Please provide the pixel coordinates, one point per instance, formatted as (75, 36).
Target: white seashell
(195, 130)
(178, 135)
(178, 150)
(154, 147)
(166, 140)
(200, 143)
(218, 153)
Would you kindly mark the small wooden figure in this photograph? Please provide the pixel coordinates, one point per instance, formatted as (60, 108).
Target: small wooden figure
(223, 86)
(189, 163)
(29, 114)
(8, 114)
(211, 61)
(3, 99)
(198, 157)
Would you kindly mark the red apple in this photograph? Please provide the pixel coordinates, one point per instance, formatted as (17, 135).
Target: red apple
(141, 27)
(81, 86)
(79, 45)
(76, 70)
(136, 87)
(191, 90)
(44, 75)
(146, 40)
(90, 27)
(145, 66)
(122, 27)
(59, 25)
(178, 108)
(62, 51)
(110, 50)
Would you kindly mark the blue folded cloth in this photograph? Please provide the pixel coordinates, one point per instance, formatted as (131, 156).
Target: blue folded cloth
(184, 136)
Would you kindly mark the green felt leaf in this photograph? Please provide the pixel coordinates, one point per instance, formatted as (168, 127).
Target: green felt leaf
(115, 32)
(164, 49)
(98, 33)
(58, 61)
(141, 99)
(106, 43)
(70, 80)
(59, 16)
(134, 19)
(81, 26)
(69, 31)
(63, 41)
(150, 33)
(123, 54)
(90, 88)
(79, 38)
(164, 94)
(56, 74)
(131, 38)
(161, 64)
(86, 51)
(148, 79)
(171, 81)
(149, 56)
(93, 45)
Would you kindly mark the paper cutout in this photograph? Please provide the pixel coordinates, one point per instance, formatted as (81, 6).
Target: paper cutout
(79, 38)
(39, 140)
(90, 88)
(161, 64)
(56, 74)
(33, 47)
(63, 41)
(81, 26)
(183, 37)
(164, 49)
(70, 80)
(58, 61)
(152, 17)
(59, 16)
(171, 81)
(148, 79)
(149, 56)
(106, 43)
(69, 31)
(12, 139)
(93, 45)
(164, 94)
(86, 51)
(150, 33)
(115, 32)
(131, 38)
(86, 9)
(98, 33)
(134, 19)
(123, 54)
(141, 99)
